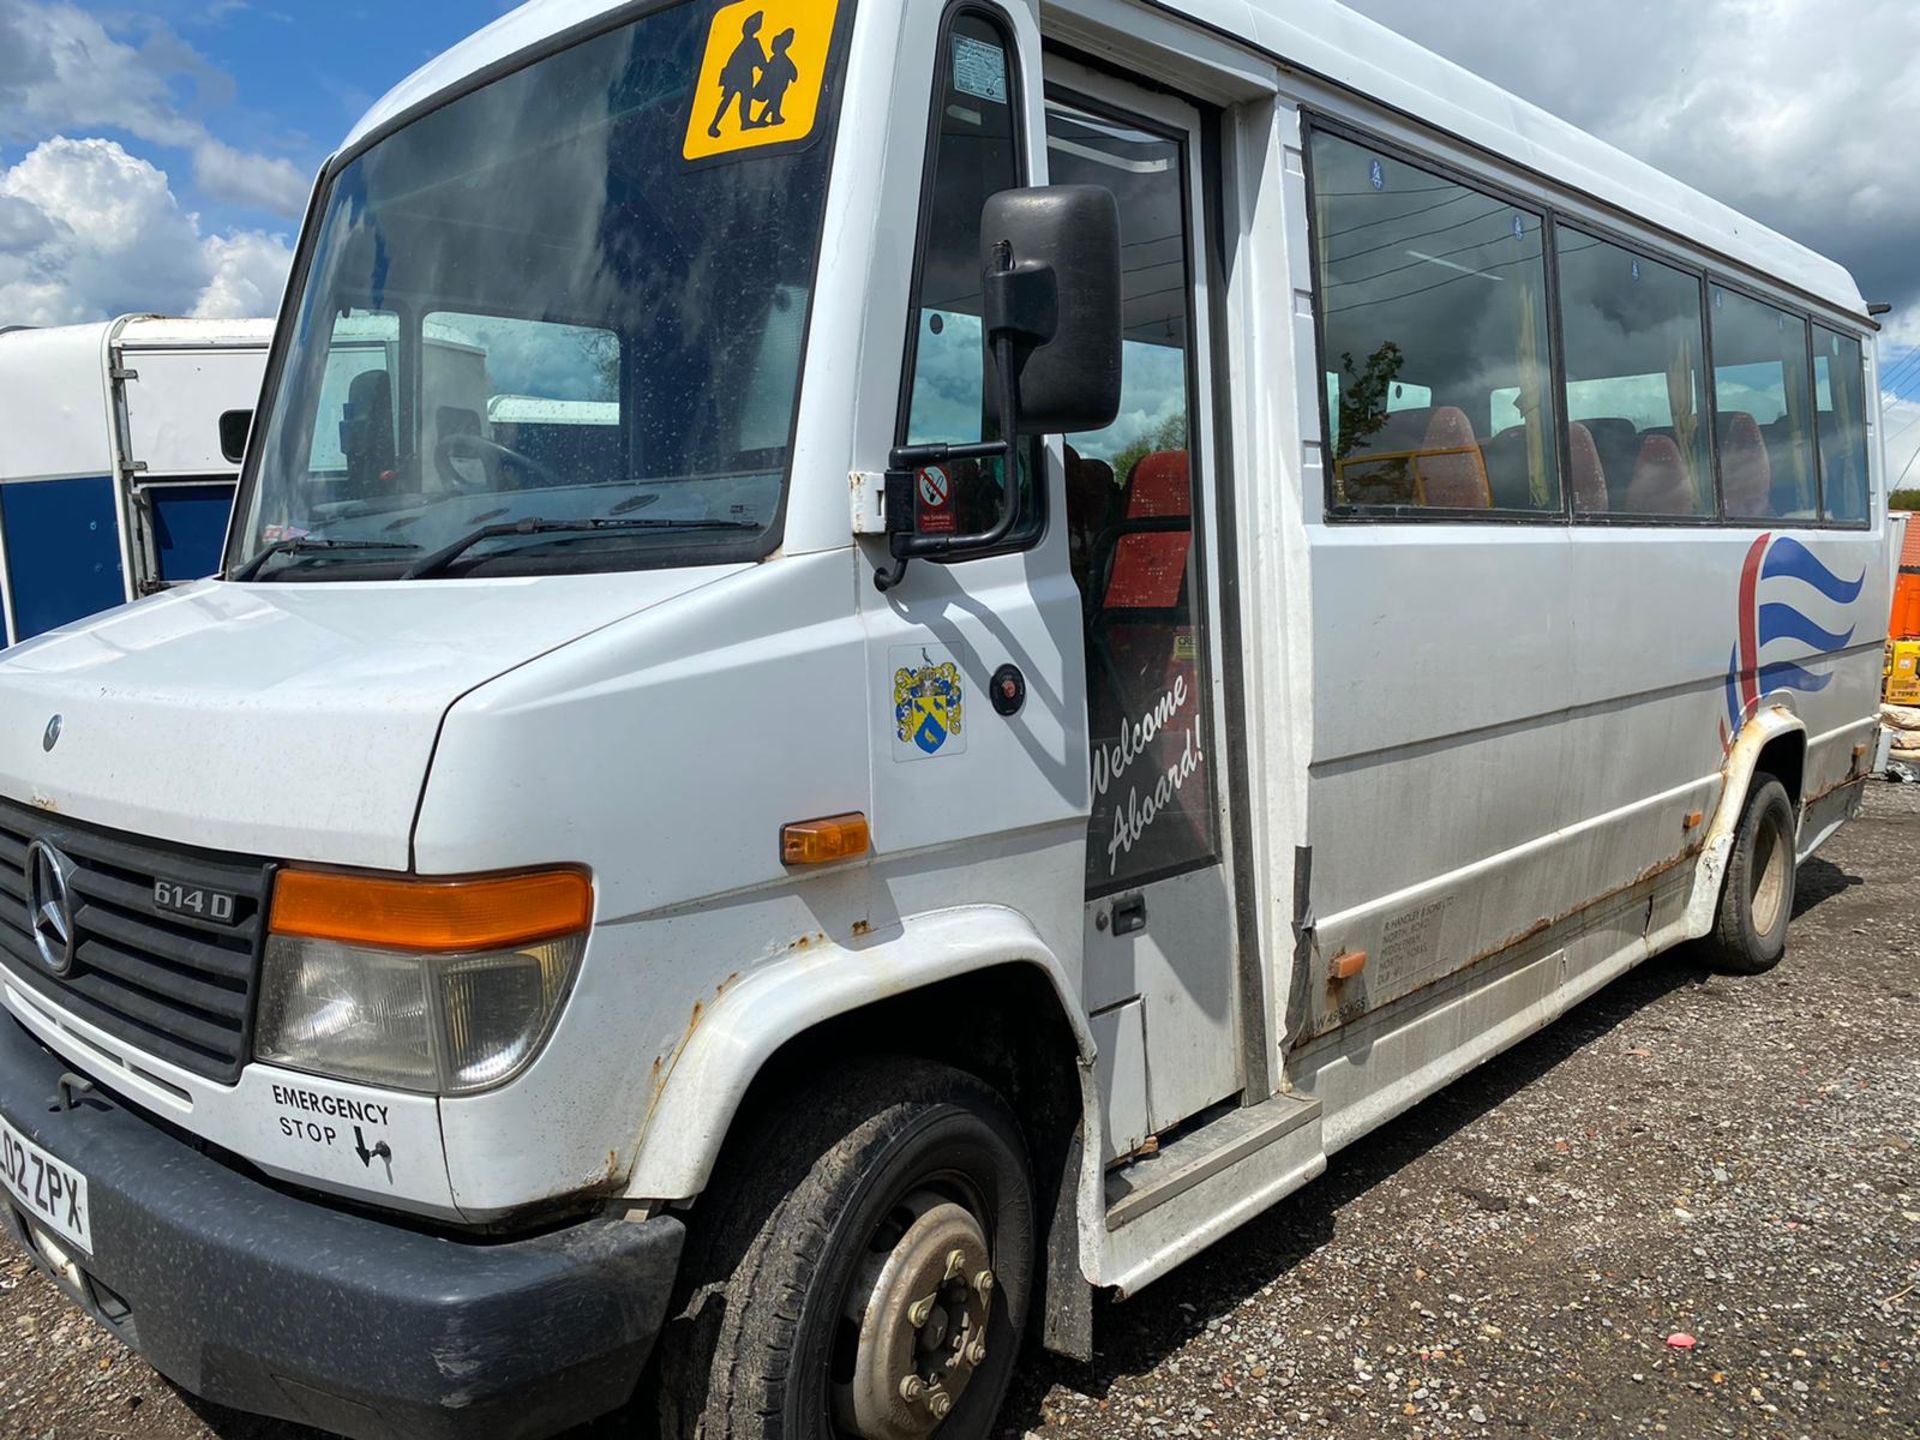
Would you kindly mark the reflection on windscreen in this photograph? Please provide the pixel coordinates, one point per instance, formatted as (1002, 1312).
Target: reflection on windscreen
(530, 304)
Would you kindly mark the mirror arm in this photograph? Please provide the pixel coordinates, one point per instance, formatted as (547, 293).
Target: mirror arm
(904, 464)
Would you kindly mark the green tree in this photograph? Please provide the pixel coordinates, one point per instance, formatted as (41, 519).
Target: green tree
(1169, 434)
(1363, 397)
(1905, 500)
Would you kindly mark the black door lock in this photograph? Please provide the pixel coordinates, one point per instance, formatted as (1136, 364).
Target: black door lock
(1130, 915)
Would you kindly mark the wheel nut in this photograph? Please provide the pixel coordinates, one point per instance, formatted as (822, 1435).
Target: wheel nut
(939, 1402)
(912, 1388)
(918, 1312)
(983, 1283)
(977, 1353)
(956, 1264)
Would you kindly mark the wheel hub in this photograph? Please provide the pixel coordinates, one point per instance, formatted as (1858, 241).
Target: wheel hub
(1768, 878)
(921, 1306)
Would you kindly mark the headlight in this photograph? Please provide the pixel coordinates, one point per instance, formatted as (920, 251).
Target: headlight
(441, 986)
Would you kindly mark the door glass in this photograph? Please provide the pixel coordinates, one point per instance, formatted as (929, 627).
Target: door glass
(1130, 517)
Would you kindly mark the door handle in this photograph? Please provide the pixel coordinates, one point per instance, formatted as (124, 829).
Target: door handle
(1130, 915)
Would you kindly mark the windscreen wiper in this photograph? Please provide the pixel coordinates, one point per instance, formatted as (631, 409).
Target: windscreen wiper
(302, 544)
(437, 562)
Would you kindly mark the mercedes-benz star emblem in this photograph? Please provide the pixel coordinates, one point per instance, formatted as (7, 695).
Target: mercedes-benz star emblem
(50, 906)
(52, 737)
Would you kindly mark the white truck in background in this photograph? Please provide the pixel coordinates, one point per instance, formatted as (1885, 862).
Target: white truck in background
(120, 446)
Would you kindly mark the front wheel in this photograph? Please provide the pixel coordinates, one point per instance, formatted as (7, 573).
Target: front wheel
(860, 1267)
(1756, 900)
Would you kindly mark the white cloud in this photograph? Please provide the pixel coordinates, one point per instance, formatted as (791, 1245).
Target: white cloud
(243, 178)
(87, 231)
(62, 71)
(249, 270)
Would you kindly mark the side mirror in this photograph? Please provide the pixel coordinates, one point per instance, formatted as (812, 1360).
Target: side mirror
(1050, 315)
(1067, 352)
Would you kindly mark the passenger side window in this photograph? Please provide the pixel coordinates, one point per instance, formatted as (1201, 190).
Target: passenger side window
(1635, 393)
(975, 154)
(356, 411)
(1762, 419)
(1840, 392)
(355, 436)
(1429, 285)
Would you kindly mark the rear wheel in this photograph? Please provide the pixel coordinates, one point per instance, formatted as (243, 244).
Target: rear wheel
(1756, 900)
(860, 1267)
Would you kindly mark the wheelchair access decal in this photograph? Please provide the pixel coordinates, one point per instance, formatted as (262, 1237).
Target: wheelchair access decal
(762, 76)
(929, 703)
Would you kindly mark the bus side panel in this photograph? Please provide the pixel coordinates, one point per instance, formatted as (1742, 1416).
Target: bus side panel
(63, 551)
(1523, 729)
(174, 407)
(1515, 722)
(189, 528)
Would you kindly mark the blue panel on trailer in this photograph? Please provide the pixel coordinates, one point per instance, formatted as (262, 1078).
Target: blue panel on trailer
(63, 551)
(189, 527)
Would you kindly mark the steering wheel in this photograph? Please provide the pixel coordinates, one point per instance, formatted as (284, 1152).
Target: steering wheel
(492, 455)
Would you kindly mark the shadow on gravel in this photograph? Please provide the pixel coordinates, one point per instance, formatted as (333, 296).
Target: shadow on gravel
(1136, 1336)
(1818, 881)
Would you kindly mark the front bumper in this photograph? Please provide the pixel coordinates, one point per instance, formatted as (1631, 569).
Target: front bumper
(264, 1301)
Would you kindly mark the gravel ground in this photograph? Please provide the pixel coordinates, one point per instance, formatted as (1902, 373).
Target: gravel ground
(1684, 1154)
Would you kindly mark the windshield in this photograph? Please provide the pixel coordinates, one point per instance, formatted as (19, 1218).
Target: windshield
(566, 309)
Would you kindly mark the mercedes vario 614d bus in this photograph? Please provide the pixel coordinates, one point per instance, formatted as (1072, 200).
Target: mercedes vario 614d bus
(942, 645)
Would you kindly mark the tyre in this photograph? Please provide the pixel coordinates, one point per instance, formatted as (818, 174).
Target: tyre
(860, 1267)
(1756, 899)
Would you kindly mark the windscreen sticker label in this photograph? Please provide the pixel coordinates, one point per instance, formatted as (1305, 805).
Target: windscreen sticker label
(979, 69)
(929, 703)
(762, 76)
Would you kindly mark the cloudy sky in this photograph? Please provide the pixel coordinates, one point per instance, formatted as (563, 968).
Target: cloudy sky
(1799, 112)
(155, 154)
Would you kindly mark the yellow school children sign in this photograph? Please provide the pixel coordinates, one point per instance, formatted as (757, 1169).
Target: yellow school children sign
(762, 76)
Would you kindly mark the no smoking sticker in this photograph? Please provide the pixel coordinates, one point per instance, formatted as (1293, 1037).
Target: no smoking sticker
(935, 511)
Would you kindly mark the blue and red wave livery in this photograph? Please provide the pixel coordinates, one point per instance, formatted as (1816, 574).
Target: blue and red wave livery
(1779, 577)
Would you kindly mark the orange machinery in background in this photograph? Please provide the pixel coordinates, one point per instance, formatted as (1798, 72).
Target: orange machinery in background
(1903, 635)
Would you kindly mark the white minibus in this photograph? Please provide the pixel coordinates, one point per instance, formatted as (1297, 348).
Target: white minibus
(883, 664)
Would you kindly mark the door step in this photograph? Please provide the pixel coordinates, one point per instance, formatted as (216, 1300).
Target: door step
(1216, 1147)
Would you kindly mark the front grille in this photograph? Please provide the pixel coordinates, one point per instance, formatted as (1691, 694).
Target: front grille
(173, 985)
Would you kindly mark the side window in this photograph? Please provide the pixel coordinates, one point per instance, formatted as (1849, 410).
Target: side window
(548, 392)
(1432, 289)
(1635, 396)
(234, 428)
(1762, 423)
(355, 436)
(1840, 393)
(975, 154)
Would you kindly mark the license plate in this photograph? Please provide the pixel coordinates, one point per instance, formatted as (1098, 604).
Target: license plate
(54, 1194)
